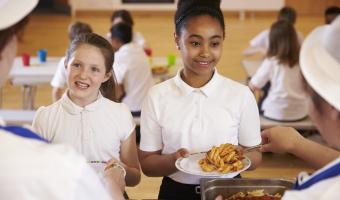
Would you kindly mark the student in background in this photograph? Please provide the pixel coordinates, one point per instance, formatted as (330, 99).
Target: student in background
(131, 68)
(30, 168)
(59, 79)
(331, 13)
(286, 99)
(260, 43)
(86, 116)
(198, 108)
(124, 16)
(320, 66)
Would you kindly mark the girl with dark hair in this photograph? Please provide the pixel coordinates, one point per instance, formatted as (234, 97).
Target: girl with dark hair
(87, 117)
(198, 108)
(286, 99)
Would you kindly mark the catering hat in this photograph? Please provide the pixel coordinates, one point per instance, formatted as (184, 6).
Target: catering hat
(320, 61)
(12, 11)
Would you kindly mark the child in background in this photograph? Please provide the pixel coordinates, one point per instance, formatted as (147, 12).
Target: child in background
(59, 79)
(286, 99)
(260, 43)
(131, 68)
(198, 108)
(86, 117)
(124, 16)
(331, 13)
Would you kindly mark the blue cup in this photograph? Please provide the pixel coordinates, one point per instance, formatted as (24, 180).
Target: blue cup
(42, 55)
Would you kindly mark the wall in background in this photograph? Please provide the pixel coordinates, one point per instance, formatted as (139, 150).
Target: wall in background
(311, 7)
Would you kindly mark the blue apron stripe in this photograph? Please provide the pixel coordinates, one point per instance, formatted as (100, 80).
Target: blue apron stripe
(23, 132)
(329, 173)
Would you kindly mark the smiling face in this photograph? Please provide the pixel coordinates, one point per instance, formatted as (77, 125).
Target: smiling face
(86, 72)
(201, 44)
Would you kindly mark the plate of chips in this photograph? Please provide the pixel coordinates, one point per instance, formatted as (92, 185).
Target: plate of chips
(223, 161)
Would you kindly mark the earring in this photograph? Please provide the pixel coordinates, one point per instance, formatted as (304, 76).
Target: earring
(178, 47)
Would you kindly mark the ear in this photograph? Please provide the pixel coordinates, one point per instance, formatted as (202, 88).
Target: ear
(107, 76)
(176, 38)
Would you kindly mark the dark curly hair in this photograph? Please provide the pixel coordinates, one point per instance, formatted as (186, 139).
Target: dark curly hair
(187, 9)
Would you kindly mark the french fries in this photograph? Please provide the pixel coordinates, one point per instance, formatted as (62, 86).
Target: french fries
(224, 159)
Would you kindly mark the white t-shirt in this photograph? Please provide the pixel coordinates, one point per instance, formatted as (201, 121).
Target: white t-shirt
(324, 190)
(60, 76)
(261, 40)
(34, 170)
(96, 131)
(286, 98)
(175, 115)
(132, 70)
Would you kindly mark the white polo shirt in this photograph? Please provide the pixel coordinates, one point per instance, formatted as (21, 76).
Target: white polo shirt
(96, 131)
(175, 115)
(286, 98)
(60, 76)
(31, 169)
(132, 70)
(261, 40)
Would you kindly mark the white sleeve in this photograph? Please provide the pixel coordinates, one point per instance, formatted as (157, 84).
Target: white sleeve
(127, 121)
(249, 129)
(40, 124)
(151, 132)
(89, 187)
(119, 69)
(261, 40)
(263, 74)
(59, 78)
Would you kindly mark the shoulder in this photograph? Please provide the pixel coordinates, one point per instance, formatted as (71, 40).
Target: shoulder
(164, 88)
(115, 107)
(45, 111)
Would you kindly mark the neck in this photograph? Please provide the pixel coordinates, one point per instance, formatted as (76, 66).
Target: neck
(82, 102)
(195, 80)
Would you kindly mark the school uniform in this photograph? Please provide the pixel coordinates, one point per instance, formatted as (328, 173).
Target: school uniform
(324, 184)
(286, 99)
(175, 115)
(261, 40)
(96, 131)
(132, 70)
(60, 76)
(30, 168)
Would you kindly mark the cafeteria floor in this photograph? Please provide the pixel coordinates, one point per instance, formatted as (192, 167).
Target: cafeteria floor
(50, 32)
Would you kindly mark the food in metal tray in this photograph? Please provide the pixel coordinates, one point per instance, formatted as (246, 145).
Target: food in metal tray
(224, 159)
(251, 195)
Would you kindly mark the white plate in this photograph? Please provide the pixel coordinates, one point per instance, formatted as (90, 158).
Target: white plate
(190, 165)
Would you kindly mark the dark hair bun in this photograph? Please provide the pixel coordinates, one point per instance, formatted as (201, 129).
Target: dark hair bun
(186, 4)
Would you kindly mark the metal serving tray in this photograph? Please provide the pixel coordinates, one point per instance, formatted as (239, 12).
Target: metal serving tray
(212, 187)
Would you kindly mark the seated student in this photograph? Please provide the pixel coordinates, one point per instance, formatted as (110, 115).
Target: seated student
(124, 16)
(260, 43)
(131, 68)
(86, 116)
(286, 99)
(331, 13)
(320, 66)
(30, 168)
(59, 79)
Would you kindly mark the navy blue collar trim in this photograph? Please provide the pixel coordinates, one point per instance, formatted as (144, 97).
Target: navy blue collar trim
(329, 173)
(23, 132)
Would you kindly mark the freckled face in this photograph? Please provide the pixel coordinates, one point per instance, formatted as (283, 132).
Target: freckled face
(201, 45)
(86, 72)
